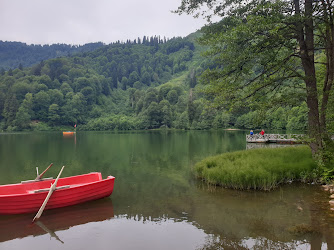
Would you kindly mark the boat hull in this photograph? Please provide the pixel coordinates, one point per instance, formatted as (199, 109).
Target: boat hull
(76, 189)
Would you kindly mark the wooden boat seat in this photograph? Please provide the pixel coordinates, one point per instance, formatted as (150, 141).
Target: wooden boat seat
(44, 179)
(46, 189)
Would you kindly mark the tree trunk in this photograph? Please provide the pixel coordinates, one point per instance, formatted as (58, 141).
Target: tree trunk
(329, 52)
(305, 38)
(313, 117)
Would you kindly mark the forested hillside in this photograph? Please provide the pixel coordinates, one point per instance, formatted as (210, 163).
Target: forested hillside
(142, 84)
(17, 55)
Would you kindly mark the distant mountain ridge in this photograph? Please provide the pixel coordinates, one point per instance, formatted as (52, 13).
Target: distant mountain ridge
(17, 54)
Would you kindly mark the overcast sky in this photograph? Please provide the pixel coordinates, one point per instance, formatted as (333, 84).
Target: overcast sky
(84, 21)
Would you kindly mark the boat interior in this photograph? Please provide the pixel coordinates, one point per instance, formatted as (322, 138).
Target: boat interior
(44, 185)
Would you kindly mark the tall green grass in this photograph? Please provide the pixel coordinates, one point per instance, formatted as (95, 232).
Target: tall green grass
(262, 169)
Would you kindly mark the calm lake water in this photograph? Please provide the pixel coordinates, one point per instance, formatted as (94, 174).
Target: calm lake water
(157, 202)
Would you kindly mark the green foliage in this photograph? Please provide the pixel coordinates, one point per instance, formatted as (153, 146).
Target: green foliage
(282, 118)
(166, 113)
(154, 116)
(40, 126)
(22, 119)
(54, 114)
(279, 119)
(112, 122)
(41, 105)
(10, 108)
(133, 77)
(79, 88)
(182, 121)
(330, 114)
(262, 169)
(297, 119)
(172, 96)
(272, 55)
(221, 120)
(247, 120)
(144, 85)
(16, 54)
(325, 161)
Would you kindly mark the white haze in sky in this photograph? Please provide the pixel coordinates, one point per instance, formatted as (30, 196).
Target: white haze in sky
(84, 21)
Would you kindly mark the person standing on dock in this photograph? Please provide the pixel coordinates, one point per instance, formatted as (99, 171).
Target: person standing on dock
(262, 132)
(251, 132)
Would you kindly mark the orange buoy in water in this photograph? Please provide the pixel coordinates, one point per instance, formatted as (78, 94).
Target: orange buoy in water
(68, 133)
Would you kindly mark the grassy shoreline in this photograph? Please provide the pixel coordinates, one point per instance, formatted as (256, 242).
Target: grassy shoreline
(262, 169)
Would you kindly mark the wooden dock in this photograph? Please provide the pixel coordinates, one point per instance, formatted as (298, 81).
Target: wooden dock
(275, 138)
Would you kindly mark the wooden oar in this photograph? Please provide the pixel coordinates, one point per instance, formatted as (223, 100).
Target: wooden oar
(53, 187)
(41, 175)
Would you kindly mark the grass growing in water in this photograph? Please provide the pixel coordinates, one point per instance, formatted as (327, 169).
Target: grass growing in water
(262, 169)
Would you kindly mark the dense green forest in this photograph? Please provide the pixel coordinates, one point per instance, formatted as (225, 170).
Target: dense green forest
(17, 55)
(147, 83)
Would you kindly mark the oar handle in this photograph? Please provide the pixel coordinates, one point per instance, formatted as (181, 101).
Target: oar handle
(41, 175)
(55, 183)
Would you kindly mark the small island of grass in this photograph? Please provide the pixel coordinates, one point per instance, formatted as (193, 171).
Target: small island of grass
(262, 169)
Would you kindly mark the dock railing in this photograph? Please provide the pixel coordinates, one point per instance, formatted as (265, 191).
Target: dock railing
(275, 138)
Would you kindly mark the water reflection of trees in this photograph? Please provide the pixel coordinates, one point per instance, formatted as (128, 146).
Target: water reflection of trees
(214, 242)
(154, 182)
(236, 219)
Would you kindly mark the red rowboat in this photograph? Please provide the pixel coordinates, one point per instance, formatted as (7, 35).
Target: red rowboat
(27, 197)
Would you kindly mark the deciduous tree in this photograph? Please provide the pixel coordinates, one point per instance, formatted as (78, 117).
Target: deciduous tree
(260, 44)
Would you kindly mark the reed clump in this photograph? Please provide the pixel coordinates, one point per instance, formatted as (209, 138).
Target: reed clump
(262, 169)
